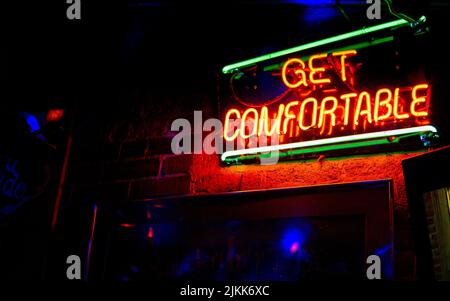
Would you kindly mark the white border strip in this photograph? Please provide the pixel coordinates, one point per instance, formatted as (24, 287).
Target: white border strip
(304, 144)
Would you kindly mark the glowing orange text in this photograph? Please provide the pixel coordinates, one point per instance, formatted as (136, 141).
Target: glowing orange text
(295, 73)
(347, 111)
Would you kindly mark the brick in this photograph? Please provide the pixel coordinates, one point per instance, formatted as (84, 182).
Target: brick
(114, 192)
(135, 149)
(171, 185)
(177, 164)
(131, 169)
(160, 145)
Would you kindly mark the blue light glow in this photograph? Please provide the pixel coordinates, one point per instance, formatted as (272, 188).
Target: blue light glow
(381, 251)
(323, 2)
(33, 123)
(293, 240)
(314, 15)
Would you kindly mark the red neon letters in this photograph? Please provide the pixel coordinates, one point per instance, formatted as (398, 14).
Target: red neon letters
(312, 113)
(294, 71)
(347, 111)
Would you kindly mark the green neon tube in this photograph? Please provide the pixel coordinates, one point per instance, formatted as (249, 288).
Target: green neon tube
(320, 149)
(348, 35)
(338, 147)
(328, 141)
(350, 47)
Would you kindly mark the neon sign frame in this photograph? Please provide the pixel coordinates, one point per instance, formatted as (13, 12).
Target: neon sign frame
(334, 143)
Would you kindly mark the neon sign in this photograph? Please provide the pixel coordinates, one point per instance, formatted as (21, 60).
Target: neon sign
(323, 106)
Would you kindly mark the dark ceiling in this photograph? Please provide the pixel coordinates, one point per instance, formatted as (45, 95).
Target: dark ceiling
(47, 57)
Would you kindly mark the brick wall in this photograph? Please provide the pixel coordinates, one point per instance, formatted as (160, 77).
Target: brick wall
(140, 169)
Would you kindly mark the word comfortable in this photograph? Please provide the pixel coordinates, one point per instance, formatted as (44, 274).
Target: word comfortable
(345, 111)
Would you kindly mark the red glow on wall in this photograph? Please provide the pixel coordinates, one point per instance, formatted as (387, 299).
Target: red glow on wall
(294, 248)
(55, 115)
(150, 233)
